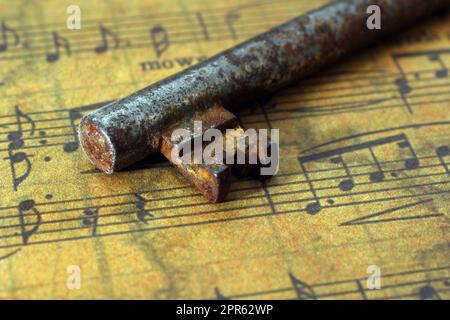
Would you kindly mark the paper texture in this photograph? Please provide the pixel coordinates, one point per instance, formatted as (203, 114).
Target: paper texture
(362, 191)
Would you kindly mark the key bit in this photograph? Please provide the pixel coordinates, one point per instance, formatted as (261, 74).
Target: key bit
(131, 128)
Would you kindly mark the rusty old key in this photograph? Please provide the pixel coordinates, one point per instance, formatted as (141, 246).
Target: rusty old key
(131, 128)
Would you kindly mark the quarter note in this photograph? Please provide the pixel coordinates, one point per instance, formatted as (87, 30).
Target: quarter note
(105, 35)
(58, 42)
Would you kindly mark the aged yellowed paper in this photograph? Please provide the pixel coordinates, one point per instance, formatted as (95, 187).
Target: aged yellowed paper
(362, 191)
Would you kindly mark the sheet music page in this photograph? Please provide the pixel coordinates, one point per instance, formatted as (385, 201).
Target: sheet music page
(358, 210)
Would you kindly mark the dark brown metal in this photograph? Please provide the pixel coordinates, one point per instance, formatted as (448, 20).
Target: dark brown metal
(129, 129)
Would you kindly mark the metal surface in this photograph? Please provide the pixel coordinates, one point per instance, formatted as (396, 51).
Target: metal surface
(129, 129)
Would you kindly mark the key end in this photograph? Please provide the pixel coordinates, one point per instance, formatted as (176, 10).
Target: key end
(97, 145)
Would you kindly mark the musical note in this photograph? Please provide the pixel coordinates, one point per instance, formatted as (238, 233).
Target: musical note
(105, 35)
(160, 39)
(58, 42)
(441, 152)
(442, 72)
(16, 142)
(348, 183)
(24, 207)
(72, 146)
(142, 214)
(91, 220)
(433, 56)
(230, 18)
(378, 175)
(413, 162)
(404, 89)
(203, 26)
(303, 290)
(5, 30)
(428, 293)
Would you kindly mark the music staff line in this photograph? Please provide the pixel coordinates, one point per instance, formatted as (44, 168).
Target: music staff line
(359, 290)
(441, 152)
(59, 42)
(176, 37)
(305, 82)
(156, 228)
(284, 175)
(125, 213)
(337, 108)
(277, 212)
(188, 21)
(290, 92)
(199, 33)
(268, 111)
(343, 76)
(302, 109)
(296, 182)
(155, 209)
(286, 97)
(163, 15)
(293, 94)
(16, 139)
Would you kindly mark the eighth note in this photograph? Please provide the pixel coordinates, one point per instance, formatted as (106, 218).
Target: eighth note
(105, 35)
(58, 42)
(5, 30)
